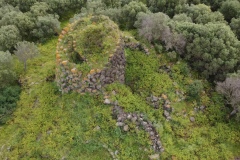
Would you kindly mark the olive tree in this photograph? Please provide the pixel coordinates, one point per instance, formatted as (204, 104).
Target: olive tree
(235, 26)
(183, 17)
(118, 3)
(9, 36)
(115, 14)
(230, 9)
(62, 6)
(230, 88)
(93, 7)
(214, 4)
(130, 11)
(23, 22)
(125, 16)
(96, 7)
(212, 49)
(25, 51)
(45, 26)
(170, 7)
(7, 75)
(154, 27)
(2, 3)
(202, 14)
(112, 3)
(6, 9)
(39, 9)
(23, 5)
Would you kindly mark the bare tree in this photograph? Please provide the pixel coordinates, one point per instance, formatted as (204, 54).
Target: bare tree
(230, 88)
(7, 74)
(24, 51)
(154, 27)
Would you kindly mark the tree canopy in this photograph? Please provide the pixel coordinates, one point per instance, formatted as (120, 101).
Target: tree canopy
(7, 75)
(24, 51)
(212, 49)
(9, 36)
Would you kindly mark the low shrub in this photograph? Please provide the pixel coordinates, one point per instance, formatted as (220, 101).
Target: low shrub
(8, 101)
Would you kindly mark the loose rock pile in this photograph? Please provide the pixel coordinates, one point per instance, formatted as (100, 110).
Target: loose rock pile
(165, 68)
(140, 122)
(135, 45)
(180, 95)
(156, 102)
(201, 108)
(167, 109)
(113, 154)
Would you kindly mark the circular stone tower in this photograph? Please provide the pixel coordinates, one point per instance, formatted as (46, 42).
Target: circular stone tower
(89, 55)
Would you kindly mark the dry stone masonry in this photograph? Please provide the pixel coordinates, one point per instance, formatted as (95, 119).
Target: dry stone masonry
(135, 45)
(163, 101)
(69, 78)
(138, 119)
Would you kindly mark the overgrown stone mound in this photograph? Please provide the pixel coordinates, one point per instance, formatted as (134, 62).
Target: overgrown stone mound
(89, 55)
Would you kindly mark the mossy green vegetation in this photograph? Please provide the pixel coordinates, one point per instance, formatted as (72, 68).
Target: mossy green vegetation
(89, 42)
(49, 125)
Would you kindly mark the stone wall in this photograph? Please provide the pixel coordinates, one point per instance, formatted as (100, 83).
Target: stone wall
(135, 45)
(140, 122)
(68, 78)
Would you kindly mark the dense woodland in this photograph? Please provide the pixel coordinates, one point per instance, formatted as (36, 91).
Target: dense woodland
(193, 64)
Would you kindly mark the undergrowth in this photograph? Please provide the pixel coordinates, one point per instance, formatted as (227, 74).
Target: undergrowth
(9, 96)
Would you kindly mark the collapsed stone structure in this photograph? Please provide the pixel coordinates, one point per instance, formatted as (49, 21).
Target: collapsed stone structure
(156, 102)
(69, 78)
(138, 119)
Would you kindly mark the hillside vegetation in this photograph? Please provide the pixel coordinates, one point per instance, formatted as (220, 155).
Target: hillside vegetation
(176, 54)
